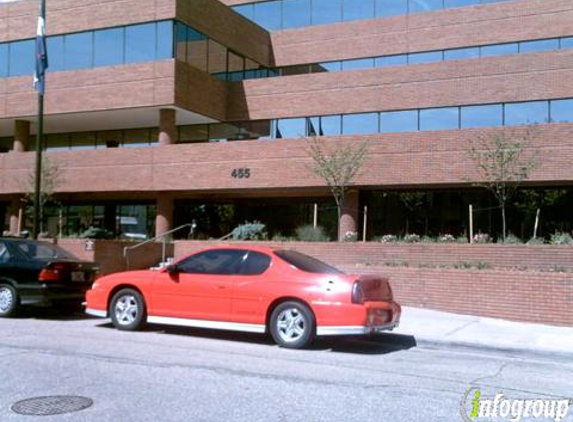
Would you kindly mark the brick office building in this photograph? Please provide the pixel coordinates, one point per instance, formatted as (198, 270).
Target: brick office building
(157, 111)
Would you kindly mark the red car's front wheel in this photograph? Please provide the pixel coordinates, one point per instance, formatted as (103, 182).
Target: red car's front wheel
(292, 325)
(127, 310)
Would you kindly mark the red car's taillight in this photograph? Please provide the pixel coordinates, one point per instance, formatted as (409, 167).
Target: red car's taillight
(357, 292)
(52, 273)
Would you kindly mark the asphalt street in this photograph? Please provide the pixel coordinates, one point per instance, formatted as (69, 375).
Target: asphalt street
(174, 374)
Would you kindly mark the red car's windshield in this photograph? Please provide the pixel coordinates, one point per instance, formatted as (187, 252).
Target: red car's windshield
(306, 263)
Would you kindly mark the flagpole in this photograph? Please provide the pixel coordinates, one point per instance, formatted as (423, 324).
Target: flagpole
(39, 78)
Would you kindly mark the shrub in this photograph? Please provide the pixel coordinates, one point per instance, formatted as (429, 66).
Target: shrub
(446, 238)
(309, 233)
(561, 239)
(462, 239)
(249, 231)
(350, 237)
(281, 238)
(427, 239)
(511, 239)
(411, 238)
(387, 238)
(536, 241)
(482, 238)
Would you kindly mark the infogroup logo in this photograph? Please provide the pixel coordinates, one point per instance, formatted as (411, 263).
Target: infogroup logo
(475, 405)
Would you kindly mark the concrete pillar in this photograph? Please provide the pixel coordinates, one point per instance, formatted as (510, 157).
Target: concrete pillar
(13, 212)
(167, 127)
(21, 135)
(349, 214)
(164, 218)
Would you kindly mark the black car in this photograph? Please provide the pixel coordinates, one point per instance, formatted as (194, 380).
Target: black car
(39, 273)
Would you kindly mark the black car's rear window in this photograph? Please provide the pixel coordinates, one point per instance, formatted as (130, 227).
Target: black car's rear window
(306, 263)
(43, 251)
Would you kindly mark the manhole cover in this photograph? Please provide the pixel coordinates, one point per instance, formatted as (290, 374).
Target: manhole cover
(51, 405)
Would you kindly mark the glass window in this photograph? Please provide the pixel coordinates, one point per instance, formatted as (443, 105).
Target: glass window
(236, 67)
(256, 129)
(296, 13)
(109, 139)
(56, 59)
(330, 125)
(57, 142)
(460, 3)
(217, 57)
(196, 49)
(181, 41)
(416, 6)
(439, 118)
(4, 253)
(360, 124)
(78, 50)
(291, 128)
(21, 58)
(83, 140)
(482, 116)
(268, 14)
(399, 121)
(306, 263)
(326, 11)
(540, 45)
(313, 126)
(247, 10)
(136, 138)
(396, 60)
(165, 40)
(354, 10)
(426, 57)
(215, 261)
(108, 47)
(254, 70)
(6, 144)
(193, 133)
(357, 64)
(562, 111)
(296, 70)
(223, 131)
(461, 53)
(498, 50)
(331, 66)
(391, 7)
(140, 43)
(566, 42)
(3, 60)
(255, 264)
(527, 113)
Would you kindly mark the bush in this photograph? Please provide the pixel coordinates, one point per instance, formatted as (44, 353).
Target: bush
(482, 238)
(511, 239)
(309, 233)
(446, 238)
(387, 238)
(536, 241)
(249, 231)
(561, 239)
(281, 238)
(411, 238)
(428, 239)
(350, 237)
(462, 239)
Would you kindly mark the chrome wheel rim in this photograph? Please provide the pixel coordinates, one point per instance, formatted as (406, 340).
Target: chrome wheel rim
(291, 325)
(6, 299)
(126, 310)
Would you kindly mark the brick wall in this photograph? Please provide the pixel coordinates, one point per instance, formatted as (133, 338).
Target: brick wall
(536, 295)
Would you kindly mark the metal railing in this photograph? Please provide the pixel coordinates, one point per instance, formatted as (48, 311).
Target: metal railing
(162, 236)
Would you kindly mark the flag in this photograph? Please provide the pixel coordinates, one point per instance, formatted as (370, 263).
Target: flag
(41, 51)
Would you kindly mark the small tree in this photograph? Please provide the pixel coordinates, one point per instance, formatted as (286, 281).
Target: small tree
(337, 166)
(502, 163)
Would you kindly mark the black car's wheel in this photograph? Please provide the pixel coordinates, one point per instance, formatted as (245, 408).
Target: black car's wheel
(292, 325)
(127, 310)
(9, 301)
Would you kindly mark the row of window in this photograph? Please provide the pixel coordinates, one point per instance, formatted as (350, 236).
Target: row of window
(442, 118)
(490, 50)
(123, 45)
(284, 14)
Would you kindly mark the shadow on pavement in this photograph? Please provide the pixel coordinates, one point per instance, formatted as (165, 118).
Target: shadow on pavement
(379, 344)
(52, 314)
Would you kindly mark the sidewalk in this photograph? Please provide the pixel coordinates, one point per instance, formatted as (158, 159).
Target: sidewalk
(444, 329)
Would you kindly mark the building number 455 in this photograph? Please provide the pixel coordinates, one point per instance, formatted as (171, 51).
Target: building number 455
(242, 173)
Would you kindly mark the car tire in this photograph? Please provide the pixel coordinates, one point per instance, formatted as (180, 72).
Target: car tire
(128, 311)
(9, 301)
(292, 325)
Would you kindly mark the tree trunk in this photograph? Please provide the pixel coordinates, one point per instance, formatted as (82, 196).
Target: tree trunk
(503, 222)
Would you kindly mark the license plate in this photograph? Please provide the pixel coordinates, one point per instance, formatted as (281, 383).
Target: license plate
(78, 276)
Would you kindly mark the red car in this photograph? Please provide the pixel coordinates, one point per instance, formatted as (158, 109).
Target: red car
(291, 295)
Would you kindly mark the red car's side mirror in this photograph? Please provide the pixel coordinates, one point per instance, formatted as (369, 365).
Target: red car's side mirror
(172, 269)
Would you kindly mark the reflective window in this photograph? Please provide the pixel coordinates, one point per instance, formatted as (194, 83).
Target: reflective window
(427, 57)
(416, 6)
(180, 41)
(224, 131)
(399, 121)
(391, 7)
(196, 49)
(3, 60)
(482, 116)
(216, 261)
(357, 64)
(296, 13)
(326, 11)
(269, 14)
(562, 111)
(83, 140)
(164, 40)
(78, 50)
(22, 54)
(193, 133)
(291, 128)
(331, 66)
(391, 60)
(313, 126)
(540, 45)
(460, 3)
(353, 10)
(217, 57)
(439, 118)
(359, 124)
(567, 42)
(461, 53)
(255, 264)
(140, 43)
(108, 47)
(526, 113)
(330, 125)
(57, 142)
(136, 138)
(56, 57)
(498, 50)
(236, 67)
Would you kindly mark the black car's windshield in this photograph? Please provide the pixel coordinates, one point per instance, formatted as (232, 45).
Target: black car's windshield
(39, 251)
(306, 263)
